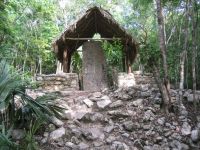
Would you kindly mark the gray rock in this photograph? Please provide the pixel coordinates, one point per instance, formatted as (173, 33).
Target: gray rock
(46, 134)
(147, 127)
(186, 128)
(44, 140)
(83, 146)
(195, 135)
(168, 133)
(110, 139)
(108, 129)
(105, 97)
(176, 136)
(97, 95)
(76, 132)
(190, 98)
(157, 100)
(51, 127)
(129, 125)
(138, 102)
(148, 115)
(116, 104)
(186, 93)
(96, 117)
(145, 94)
(147, 148)
(184, 112)
(60, 142)
(158, 139)
(118, 113)
(66, 115)
(198, 118)
(125, 135)
(88, 102)
(18, 134)
(71, 145)
(161, 121)
(79, 115)
(57, 122)
(75, 140)
(156, 147)
(103, 103)
(93, 134)
(116, 145)
(58, 133)
(167, 124)
(97, 143)
(178, 145)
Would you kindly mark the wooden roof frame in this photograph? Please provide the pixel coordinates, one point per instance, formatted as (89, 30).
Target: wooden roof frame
(95, 20)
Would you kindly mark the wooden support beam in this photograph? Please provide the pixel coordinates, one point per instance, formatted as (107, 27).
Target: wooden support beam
(124, 60)
(128, 64)
(65, 66)
(111, 39)
(69, 62)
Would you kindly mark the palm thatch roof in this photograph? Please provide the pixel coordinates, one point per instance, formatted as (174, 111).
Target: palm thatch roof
(95, 20)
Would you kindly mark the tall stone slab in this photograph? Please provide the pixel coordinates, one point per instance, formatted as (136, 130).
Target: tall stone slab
(94, 67)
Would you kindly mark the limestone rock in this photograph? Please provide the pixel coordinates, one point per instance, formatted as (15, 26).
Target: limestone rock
(58, 133)
(71, 145)
(83, 146)
(161, 121)
(146, 127)
(57, 122)
(109, 129)
(93, 134)
(190, 98)
(128, 125)
(118, 113)
(195, 135)
(119, 146)
(145, 94)
(116, 104)
(103, 103)
(186, 129)
(137, 103)
(110, 139)
(18, 134)
(97, 143)
(88, 102)
(148, 116)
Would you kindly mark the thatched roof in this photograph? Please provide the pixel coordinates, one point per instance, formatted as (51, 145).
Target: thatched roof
(95, 20)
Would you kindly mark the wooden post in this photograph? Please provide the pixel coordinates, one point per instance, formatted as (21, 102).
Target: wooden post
(123, 60)
(65, 66)
(69, 62)
(128, 64)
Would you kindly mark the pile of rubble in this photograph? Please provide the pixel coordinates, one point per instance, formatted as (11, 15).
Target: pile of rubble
(124, 119)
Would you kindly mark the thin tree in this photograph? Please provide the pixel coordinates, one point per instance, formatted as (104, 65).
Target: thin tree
(194, 47)
(184, 52)
(165, 86)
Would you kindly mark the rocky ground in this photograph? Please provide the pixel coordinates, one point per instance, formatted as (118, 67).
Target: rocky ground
(122, 119)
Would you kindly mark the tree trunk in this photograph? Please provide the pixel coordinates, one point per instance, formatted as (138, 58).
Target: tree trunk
(194, 50)
(40, 65)
(162, 87)
(182, 66)
(184, 54)
(165, 87)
